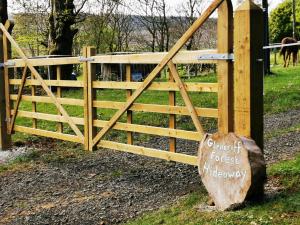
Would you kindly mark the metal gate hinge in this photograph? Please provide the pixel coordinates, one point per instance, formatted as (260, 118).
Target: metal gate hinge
(83, 59)
(217, 56)
(8, 63)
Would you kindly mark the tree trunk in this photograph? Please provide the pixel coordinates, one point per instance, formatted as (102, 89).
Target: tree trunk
(61, 33)
(3, 11)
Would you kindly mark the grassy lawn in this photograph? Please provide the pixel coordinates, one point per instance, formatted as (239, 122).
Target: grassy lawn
(282, 89)
(282, 208)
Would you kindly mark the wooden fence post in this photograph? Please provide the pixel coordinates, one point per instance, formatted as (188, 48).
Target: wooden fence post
(248, 72)
(225, 68)
(91, 95)
(5, 53)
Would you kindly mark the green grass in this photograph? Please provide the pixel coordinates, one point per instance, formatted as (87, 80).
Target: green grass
(282, 89)
(283, 208)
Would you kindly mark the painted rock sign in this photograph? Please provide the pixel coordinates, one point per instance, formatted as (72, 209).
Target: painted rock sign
(232, 168)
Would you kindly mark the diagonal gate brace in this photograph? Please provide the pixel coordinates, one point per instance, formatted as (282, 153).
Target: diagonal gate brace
(43, 84)
(23, 81)
(186, 97)
(180, 43)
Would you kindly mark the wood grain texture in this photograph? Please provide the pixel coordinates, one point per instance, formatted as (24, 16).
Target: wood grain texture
(232, 169)
(248, 74)
(225, 68)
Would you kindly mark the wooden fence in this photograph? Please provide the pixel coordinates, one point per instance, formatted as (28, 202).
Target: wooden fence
(239, 91)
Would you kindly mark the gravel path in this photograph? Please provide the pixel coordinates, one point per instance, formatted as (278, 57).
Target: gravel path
(108, 187)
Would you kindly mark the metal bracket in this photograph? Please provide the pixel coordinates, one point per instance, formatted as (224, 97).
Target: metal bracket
(226, 56)
(8, 63)
(83, 59)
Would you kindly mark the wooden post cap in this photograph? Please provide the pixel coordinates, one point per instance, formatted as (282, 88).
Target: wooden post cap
(232, 169)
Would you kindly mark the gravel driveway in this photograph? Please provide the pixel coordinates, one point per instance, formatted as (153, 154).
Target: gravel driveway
(108, 187)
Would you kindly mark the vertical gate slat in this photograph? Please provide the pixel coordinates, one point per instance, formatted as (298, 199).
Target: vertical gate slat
(33, 107)
(59, 95)
(172, 117)
(129, 112)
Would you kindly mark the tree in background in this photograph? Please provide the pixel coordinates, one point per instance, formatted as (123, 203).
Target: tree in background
(63, 16)
(189, 11)
(3, 11)
(281, 21)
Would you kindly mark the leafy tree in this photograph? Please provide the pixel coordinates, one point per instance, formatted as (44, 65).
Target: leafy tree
(281, 21)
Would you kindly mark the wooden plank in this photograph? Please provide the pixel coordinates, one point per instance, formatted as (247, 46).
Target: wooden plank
(186, 98)
(17, 103)
(157, 86)
(248, 73)
(50, 134)
(183, 57)
(165, 109)
(150, 152)
(85, 69)
(225, 68)
(92, 96)
(49, 117)
(60, 127)
(40, 79)
(58, 61)
(129, 112)
(43, 99)
(172, 117)
(160, 131)
(180, 43)
(57, 83)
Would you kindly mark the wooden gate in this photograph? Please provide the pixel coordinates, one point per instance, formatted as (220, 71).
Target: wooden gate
(93, 131)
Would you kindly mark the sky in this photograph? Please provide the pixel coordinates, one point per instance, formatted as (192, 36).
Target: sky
(175, 3)
(272, 3)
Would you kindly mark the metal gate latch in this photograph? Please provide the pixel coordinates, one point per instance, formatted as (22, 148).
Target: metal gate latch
(217, 56)
(83, 59)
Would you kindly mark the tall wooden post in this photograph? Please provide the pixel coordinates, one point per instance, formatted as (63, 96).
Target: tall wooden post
(5, 53)
(225, 68)
(91, 96)
(248, 72)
